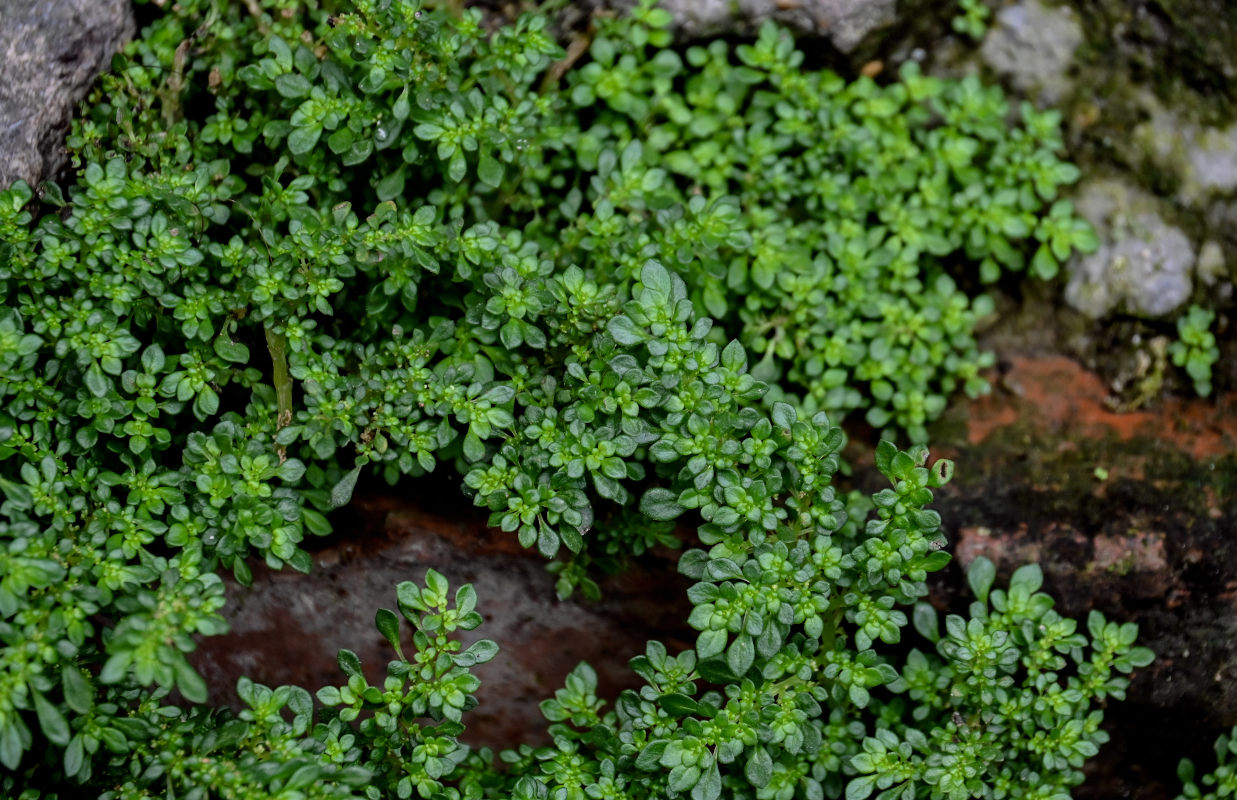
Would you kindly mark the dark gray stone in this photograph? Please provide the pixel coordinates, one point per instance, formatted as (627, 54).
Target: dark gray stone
(843, 23)
(287, 628)
(51, 51)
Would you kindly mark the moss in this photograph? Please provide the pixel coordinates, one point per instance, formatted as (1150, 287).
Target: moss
(1186, 50)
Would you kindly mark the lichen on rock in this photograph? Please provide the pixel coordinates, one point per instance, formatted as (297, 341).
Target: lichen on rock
(845, 23)
(1202, 159)
(1033, 45)
(1144, 265)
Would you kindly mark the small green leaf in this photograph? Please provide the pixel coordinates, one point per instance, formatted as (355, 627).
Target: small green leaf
(480, 652)
(292, 86)
(655, 277)
(388, 625)
(116, 668)
(709, 787)
(391, 187)
(625, 331)
(1044, 264)
(759, 767)
(302, 140)
(741, 654)
(490, 170)
(401, 108)
(206, 403)
(1028, 577)
(885, 451)
(723, 569)
(437, 584)
(784, 415)
(341, 493)
(96, 381)
(715, 670)
(678, 704)
(190, 683)
(660, 504)
(711, 643)
(350, 663)
(78, 693)
(53, 723)
(474, 448)
(547, 541)
(242, 572)
(153, 359)
(74, 756)
(926, 621)
(650, 756)
(981, 575)
(457, 167)
(232, 351)
(859, 788)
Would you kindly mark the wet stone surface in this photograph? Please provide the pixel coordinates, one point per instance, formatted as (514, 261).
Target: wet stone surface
(288, 627)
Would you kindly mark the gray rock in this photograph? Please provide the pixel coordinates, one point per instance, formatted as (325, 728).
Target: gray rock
(1143, 266)
(845, 23)
(1211, 264)
(50, 53)
(1203, 159)
(1033, 45)
(1213, 159)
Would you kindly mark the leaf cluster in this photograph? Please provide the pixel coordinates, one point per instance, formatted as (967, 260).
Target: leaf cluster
(309, 244)
(1196, 349)
(1220, 782)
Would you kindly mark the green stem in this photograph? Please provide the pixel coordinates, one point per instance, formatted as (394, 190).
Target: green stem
(832, 619)
(277, 344)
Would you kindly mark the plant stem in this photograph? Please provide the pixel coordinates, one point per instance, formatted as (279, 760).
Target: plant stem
(277, 344)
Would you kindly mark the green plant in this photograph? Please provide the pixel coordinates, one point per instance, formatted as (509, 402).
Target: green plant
(1220, 782)
(1196, 348)
(305, 247)
(972, 20)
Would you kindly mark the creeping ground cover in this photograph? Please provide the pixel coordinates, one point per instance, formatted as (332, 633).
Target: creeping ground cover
(311, 246)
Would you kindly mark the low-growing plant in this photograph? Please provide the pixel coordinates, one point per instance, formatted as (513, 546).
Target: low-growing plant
(1196, 348)
(1220, 782)
(972, 18)
(307, 245)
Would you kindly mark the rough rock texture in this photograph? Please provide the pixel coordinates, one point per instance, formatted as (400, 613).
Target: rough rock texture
(1211, 266)
(1185, 51)
(287, 627)
(845, 23)
(1032, 45)
(1147, 537)
(1143, 265)
(51, 51)
(1155, 104)
(1203, 160)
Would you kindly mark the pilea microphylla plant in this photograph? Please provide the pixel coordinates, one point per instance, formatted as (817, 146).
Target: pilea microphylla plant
(308, 244)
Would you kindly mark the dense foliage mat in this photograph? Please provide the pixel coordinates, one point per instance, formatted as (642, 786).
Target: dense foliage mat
(305, 247)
